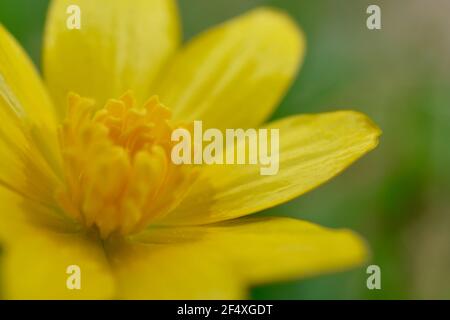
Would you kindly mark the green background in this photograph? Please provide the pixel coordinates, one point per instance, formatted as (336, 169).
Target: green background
(397, 197)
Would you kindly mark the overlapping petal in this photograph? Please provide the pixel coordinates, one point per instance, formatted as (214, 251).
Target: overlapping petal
(120, 46)
(28, 143)
(172, 271)
(234, 75)
(261, 250)
(37, 249)
(22, 93)
(313, 149)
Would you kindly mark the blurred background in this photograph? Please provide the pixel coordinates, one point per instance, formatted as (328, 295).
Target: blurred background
(397, 197)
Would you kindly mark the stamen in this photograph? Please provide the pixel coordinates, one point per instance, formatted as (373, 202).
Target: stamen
(118, 173)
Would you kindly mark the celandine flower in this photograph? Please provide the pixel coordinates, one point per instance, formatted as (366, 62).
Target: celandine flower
(91, 183)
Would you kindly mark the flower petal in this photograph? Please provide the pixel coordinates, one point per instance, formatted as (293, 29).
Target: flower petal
(235, 74)
(28, 141)
(261, 250)
(155, 271)
(120, 46)
(35, 257)
(313, 149)
(21, 89)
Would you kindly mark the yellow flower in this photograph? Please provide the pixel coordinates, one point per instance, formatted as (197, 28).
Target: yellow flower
(92, 185)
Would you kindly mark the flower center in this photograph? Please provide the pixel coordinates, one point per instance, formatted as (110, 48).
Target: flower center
(117, 168)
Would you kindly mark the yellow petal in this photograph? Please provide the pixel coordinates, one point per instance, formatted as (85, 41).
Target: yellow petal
(121, 45)
(263, 250)
(36, 255)
(313, 149)
(165, 271)
(28, 144)
(235, 74)
(21, 89)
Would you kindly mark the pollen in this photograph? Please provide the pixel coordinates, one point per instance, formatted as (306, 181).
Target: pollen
(118, 175)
